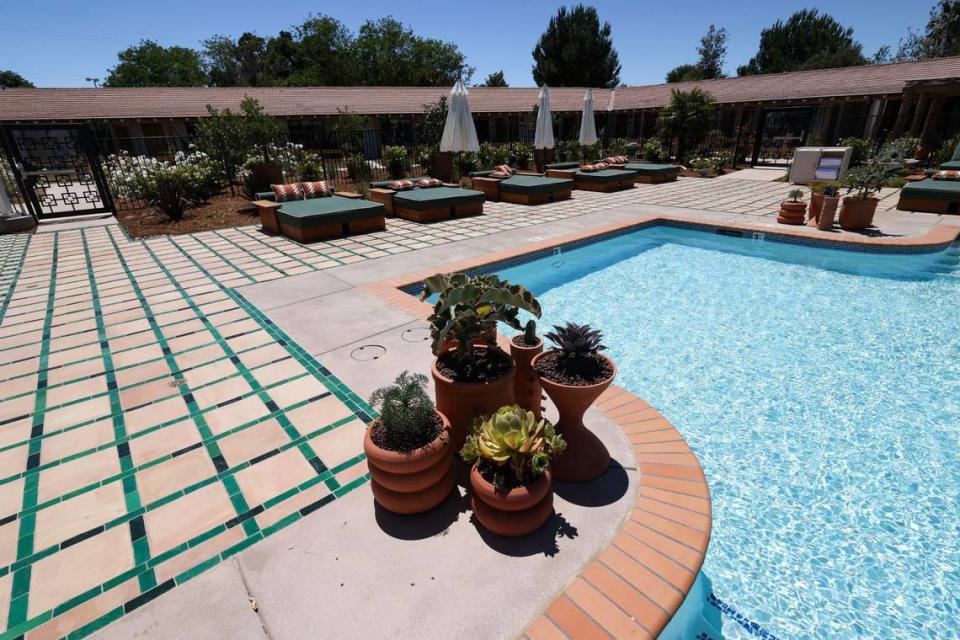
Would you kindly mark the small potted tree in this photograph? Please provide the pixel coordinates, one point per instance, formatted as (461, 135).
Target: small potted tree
(524, 347)
(409, 452)
(792, 210)
(864, 181)
(574, 373)
(828, 211)
(510, 479)
(472, 375)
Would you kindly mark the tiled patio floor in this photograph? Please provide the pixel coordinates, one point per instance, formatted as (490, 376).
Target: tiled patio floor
(152, 422)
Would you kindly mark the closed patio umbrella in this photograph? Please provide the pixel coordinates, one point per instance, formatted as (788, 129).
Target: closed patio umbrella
(543, 137)
(459, 132)
(588, 128)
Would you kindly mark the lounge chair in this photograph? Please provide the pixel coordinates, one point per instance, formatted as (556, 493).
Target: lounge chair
(647, 172)
(600, 180)
(521, 187)
(319, 218)
(931, 196)
(421, 204)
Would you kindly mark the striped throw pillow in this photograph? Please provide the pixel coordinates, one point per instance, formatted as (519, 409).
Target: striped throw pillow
(600, 166)
(428, 183)
(589, 168)
(401, 185)
(504, 168)
(287, 192)
(498, 174)
(315, 190)
(947, 174)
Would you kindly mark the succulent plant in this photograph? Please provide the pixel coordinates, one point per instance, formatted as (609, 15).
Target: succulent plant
(407, 413)
(530, 333)
(468, 306)
(514, 443)
(576, 341)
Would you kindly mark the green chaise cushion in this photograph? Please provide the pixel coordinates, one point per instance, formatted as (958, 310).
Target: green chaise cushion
(436, 198)
(534, 184)
(953, 165)
(323, 211)
(931, 189)
(563, 165)
(604, 175)
(652, 169)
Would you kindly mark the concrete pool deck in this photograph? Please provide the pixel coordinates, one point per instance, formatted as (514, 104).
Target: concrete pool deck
(90, 312)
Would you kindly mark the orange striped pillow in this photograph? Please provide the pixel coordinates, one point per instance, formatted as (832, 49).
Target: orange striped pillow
(427, 183)
(504, 168)
(401, 185)
(947, 174)
(287, 192)
(600, 166)
(315, 190)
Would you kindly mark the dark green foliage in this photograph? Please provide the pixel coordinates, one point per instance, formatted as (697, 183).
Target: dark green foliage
(432, 122)
(576, 51)
(358, 169)
(495, 79)
(941, 37)
(868, 178)
(575, 341)
(386, 53)
(396, 160)
(407, 414)
(712, 52)
(807, 40)
(310, 167)
(688, 118)
(862, 149)
(683, 73)
(13, 80)
(150, 65)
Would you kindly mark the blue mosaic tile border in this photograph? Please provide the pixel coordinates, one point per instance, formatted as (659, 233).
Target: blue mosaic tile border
(753, 627)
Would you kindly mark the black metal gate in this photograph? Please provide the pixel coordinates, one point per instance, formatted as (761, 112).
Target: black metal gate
(57, 169)
(781, 132)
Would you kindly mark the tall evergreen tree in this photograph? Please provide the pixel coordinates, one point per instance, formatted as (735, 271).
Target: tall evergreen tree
(807, 40)
(495, 79)
(712, 53)
(576, 51)
(940, 38)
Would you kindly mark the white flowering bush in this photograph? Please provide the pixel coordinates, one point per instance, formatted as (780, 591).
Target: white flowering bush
(172, 185)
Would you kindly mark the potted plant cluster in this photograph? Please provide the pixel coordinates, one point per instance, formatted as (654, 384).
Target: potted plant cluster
(574, 373)
(408, 448)
(864, 181)
(510, 479)
(472, 375)
(792, 211)
(524, 347)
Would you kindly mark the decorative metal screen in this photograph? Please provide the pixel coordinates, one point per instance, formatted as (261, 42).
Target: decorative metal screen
(58, 170)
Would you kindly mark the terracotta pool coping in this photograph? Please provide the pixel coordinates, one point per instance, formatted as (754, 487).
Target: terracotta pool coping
(634, 586)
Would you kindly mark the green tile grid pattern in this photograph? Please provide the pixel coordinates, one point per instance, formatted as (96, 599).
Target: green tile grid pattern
(87, 269)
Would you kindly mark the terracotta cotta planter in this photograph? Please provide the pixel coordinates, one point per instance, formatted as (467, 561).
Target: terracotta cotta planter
(517, 512)
(586, 457)
(526, 383)
(816, 206)
(461, 402)
(411, 482)
(791, 212)
(828, 213)
(857, 213)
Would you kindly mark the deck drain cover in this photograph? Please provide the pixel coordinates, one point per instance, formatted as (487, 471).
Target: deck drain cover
(368, 352)
(420, 334)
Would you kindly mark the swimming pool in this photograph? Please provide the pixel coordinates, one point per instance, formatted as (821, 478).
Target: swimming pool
(820, 390)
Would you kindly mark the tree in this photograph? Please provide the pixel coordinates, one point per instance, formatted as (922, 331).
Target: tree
(13, 80)
(688, 119)
(495, 79)
(150, 65)
(575, 51)
(389, 54)
(683, 73)
(432, 123)
(320, 51)
(712, 52)
(807, 40)
(940, 38)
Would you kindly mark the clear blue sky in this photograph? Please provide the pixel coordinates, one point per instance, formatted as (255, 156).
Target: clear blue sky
(59, 43)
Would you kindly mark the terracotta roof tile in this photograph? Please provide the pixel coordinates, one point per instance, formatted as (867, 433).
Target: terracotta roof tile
(164, 102)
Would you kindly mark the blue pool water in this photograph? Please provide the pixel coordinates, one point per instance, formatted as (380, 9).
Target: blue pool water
(821, 391)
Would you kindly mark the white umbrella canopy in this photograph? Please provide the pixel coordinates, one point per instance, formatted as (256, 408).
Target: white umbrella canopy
(459, 132)
(588, 128)
(543, 137)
